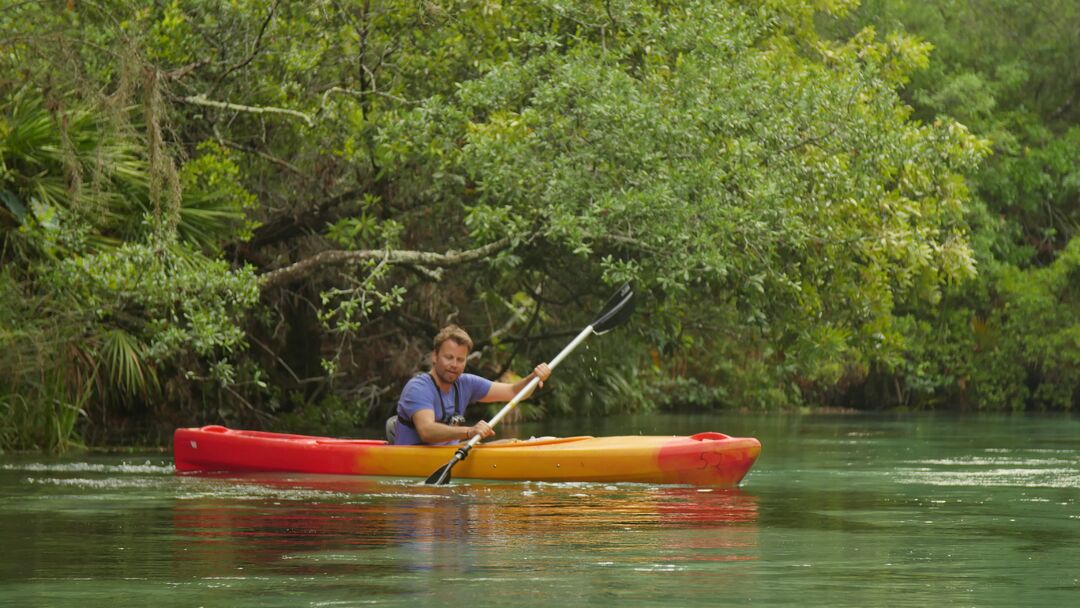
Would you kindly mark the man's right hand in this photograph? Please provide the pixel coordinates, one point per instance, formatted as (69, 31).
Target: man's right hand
(481, 428)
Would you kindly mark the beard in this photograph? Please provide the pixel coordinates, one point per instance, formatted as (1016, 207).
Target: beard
(447, 377)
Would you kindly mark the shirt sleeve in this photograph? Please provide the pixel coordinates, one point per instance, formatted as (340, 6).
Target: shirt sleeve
(416, 396)
(474, 387)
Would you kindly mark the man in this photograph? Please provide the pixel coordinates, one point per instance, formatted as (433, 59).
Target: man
(432, 406)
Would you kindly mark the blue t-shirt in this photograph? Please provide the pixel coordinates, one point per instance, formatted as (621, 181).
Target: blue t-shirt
(421, 393)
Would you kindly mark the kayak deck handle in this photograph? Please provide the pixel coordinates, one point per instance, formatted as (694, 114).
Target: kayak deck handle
(710, 436)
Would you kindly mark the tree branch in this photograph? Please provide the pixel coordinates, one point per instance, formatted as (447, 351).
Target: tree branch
(201, 100)
(361, 94)
(423, 259)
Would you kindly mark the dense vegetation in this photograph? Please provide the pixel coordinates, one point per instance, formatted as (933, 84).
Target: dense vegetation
(257, 212)
(1010, 338)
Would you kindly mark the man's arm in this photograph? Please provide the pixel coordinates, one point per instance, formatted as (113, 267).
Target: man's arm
(504, 391)
(432, 432)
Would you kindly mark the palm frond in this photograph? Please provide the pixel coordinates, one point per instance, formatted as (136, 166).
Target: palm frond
(126, 368)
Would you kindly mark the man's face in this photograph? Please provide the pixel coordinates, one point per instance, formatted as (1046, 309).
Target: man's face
(448, 362)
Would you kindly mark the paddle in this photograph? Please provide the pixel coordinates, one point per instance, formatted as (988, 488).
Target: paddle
(615, 312)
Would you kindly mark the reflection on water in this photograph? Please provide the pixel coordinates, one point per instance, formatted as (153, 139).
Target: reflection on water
(853, 511)
(348, 524)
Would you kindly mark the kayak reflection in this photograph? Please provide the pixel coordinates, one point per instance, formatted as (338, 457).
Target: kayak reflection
(304, 524)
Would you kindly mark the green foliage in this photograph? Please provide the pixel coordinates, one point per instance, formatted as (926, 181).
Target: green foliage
(215, 203)
(332, 416)
(38, 419)
(61, 180)
(179, 302)
(1039, 323)
(124, 361)
(108, 292)
(794, 209)
(811, 195)
(1021, 353)
(1003, 341)
(43, 390)
(1039, 191)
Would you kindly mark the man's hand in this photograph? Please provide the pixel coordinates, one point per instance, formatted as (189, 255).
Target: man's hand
(543, 372)
(481, 428)
(433, 432)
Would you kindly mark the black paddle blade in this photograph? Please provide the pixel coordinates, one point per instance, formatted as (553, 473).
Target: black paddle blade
(442, 476)
(616, 311)
(439, 477)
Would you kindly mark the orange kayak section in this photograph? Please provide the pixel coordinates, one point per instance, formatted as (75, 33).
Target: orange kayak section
(704, 459)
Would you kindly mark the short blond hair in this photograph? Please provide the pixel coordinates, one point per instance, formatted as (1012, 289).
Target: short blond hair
(455, 333)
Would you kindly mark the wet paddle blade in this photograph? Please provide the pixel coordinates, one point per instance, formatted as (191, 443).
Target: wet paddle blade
(442, 476)
(616, 311)
(439, 477)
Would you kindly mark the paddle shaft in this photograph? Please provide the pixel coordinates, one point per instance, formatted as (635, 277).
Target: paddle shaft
(585, 333)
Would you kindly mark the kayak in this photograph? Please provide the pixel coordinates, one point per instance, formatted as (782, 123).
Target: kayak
(704, 459)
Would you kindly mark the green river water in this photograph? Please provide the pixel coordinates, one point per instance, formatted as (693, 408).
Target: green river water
(858, 510)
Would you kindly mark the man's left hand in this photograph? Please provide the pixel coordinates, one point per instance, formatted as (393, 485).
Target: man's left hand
(543, 372)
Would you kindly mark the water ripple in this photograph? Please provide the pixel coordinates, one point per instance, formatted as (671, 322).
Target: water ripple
(89, 467)
(984, 461)
(1009, 477)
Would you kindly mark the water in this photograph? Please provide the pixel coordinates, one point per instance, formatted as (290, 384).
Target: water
(839, 511)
